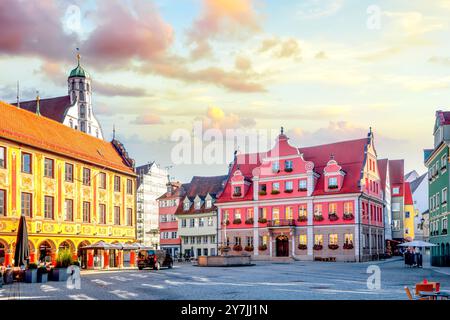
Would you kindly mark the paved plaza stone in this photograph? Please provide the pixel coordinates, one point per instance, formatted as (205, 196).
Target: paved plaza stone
(265, 281)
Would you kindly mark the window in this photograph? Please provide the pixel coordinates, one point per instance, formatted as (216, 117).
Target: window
(237, 240)
(185, 240)
(332, 208)
(302, 186)
(276, 186)
(444, 223)
(318, 239)
(26, 163)
(2, 203)
(201, 222)
(396, 190)
(289, 186)
(198, 204)
(396, 206)
(332, 183)
(192, 240)
(208, 203)
(174, 235)
(102, 214)
(129, 217)
(348, 207)
(275, 214)
(186, 206)
(302, 239)
(205, 251)
(129, 186)
(213, 239)
(49, 168)
(183, 223)
(86, 211)
(288, 165)
(116, 184)
(396, 225)
(444, 196)
(275, 166)
(250, 241)
(86, 176)
(407, 214)
(249, 214)
(68, 210)
(302, 211)
(348, 238)
(199, 240)
(2, 157)
(438, 202)
(237, 215)
(117, 216)
(444, 162)
(192, 223)
(68, 172)
(263, 189)
(237, 192)
(262, 213)
(102, 180)
(205, 239)
(26, 204)
(333, 238)
(210, 221)
(289, 213)
(318, 210)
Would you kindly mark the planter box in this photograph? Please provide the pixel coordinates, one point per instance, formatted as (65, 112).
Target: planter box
(8, 277)
(42, 277)
(58, 274)
(224, 261)
(31, 276)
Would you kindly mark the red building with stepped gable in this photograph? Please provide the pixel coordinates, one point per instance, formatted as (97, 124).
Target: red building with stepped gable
(312, 203)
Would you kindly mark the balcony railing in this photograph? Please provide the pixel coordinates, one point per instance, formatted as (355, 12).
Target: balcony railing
(281, 223)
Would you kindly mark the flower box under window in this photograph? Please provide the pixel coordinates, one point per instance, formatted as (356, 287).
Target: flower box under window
(262, 247)
(288, 169)
(249, 248)
(237, 221)
(318, 247)
(318, 217)
(275, 192)
(444, 231)
(348, 246)
(237, 247)
(288, 191)
(237, 194)
(249, 221)
(227, 222)
(302, 246)
(302, 189)
(302, 218)
(348, 216)
(333, 217)
(333, 186)
(263, 193)
(262, 220)
(333, 246)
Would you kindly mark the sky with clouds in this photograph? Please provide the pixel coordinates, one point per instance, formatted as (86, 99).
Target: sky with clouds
(325, 70)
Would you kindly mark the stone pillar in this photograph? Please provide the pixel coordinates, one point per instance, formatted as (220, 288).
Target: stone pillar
(90, 259)
(256, 216)
(310, 229)
(106, 259)
(357, 229)
(370, 228)
(132, 258)
(270, 245)
(292, 234)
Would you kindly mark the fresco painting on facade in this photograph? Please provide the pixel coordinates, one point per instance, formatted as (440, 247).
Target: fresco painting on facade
(326, 197)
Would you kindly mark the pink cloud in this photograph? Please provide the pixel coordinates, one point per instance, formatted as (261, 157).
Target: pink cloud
(148, 119)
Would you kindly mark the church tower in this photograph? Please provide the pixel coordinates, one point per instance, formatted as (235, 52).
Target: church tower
(80, 92)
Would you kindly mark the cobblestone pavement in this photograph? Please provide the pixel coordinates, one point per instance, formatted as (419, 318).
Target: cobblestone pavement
(264, 281)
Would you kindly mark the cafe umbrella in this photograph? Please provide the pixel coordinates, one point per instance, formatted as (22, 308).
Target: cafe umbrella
(22, 251)
(417, 243)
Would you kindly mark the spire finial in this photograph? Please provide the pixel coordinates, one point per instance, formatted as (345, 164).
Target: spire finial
(332, 156)
(18, 94)
(114, 131)
(78, 56)
(282, 130)
(38, 107)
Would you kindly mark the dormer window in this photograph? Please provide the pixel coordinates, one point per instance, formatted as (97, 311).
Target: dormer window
(275, 167)
(198, 205)
(237, 191)
(332, 183)
(186, 206)
(208, 203)
(288, 166)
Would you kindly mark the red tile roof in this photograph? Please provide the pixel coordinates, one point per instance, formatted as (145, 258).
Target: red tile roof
(40, 132)
(382, 171)
(350, 155)
(53, 108)
(408, 194)
(397, 175)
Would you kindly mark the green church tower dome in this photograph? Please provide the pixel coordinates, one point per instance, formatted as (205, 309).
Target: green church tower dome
(79, 71)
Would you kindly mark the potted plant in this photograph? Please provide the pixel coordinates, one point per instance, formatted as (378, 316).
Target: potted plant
(302, 218)
(348, 216)
(237, 221)
(42, 274)
(444, 231)
(31, 273)
(237, 247)
(318, 217)
(262, 247)
(348, 246)
(288, 191)
(237, 194)
(333, 246)
(262, 220)
(227, 222)
(302, 189)
(249, 221)
(318, 247)
(288, 169)
(333, 216)
(333, 186)
(63, 261)
(263, 193)
(275, 192)
(249, 248)
(302, 246)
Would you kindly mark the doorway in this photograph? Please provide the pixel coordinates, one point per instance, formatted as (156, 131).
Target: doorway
(282, 246)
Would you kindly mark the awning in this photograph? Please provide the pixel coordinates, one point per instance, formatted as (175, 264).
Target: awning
(102, 246)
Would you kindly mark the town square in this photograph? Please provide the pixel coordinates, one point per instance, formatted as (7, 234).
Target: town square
(207, 150)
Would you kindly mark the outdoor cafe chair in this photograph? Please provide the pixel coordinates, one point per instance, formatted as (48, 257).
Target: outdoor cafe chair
(429, 287)
(410, 296)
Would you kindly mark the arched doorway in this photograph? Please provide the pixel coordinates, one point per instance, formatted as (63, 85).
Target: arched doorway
(282, 246)
(83, 254)
(46, 251)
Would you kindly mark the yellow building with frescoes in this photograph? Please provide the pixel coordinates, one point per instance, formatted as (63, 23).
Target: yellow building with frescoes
(74, 188)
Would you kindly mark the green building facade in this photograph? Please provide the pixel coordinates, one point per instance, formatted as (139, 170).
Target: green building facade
(437, 162)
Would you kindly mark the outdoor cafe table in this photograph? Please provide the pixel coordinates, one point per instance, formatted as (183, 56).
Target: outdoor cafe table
(435, 295)
(435, 284)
